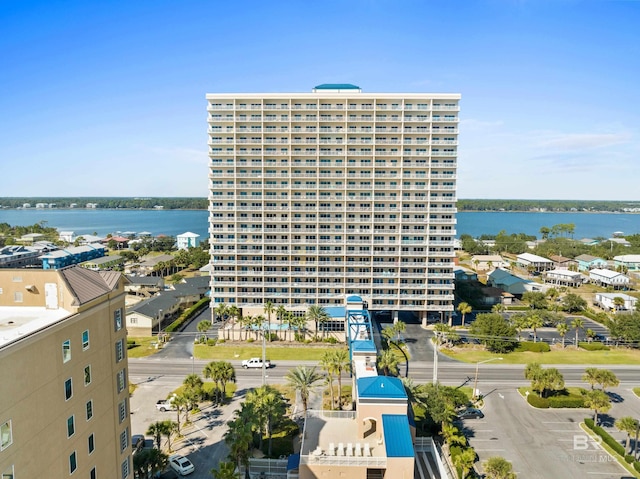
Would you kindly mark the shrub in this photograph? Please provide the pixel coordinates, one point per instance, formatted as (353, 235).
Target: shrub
(211, 342)
(537, 401)
(331, 340)
(636, 466)
(589, 423)
(221, 340)
(533, 347)
(593, 346)
(629, 458)
(569, 401)
(250, 340)
(608, 440)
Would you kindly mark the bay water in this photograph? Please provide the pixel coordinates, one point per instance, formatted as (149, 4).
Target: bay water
(173, 222)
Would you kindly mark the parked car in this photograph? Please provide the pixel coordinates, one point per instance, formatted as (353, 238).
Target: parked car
(255, 363)
(471, 413)
(181, 465)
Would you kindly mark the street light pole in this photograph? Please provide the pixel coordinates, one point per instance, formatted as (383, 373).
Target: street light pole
(264, 356)
(159, 322)
(475, 382)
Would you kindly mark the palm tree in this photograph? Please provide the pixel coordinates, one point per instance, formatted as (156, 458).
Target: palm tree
(498, 468)
(226, 470)
(618, 303)
(598, 401)
(577, 324)
(300, 323)
(290, 320)
(452, 435)
(318, 314)
(535, 322)
(327, 364)
(281, 311)
(464, 461)
(193, 383)
(156, 430)
(388, 362)
(607, 378)
(225, 373)
(149, 462)
(203, 327)
(234, 313)
(180, 402)
(269, 309)
(591, 376)
(563, 328)
(239, 439)
(303, 380)
(269, 406)
(553, 294)
(464, 309)
(498, 308)
(168, 428)
(630, 426)
(336, 362)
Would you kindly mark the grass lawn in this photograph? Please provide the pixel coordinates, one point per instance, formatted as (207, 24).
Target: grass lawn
(274, 353)
(144, 346)
(636, 391)
(566, 356)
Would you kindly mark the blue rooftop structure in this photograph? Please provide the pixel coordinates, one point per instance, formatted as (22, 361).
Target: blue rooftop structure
(335, 311)
(364, 346)
(337, 86)
(354, 299)
(397, 436)
(381, 387)
(293, 462)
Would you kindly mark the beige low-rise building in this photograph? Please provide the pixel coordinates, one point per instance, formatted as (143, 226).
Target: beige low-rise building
(64, 407)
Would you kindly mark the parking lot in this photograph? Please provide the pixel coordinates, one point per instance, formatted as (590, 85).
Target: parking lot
(538, 442)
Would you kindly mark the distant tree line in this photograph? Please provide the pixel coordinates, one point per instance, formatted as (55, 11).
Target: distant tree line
(110, 202)
(549, 205)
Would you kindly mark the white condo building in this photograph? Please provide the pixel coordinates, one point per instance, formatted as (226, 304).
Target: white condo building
(317, 196)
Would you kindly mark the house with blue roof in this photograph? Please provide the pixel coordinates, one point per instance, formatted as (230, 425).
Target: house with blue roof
(510, 283)
(587, 262)
(72, 255)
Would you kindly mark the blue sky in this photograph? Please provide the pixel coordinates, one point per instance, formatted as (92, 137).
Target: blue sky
(108, 98)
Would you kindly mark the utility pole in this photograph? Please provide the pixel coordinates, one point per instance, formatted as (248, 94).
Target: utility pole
(264, 356)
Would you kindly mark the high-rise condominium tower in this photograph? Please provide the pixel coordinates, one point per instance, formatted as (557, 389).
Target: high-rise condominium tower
(317, 196)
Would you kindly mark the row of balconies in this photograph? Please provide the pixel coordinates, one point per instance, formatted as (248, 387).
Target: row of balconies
(333, 141)
(219, 228)
(317, 241)
(285, 260)
(213, 174)
(344, 220)
(368, 152)
(315, 107)
(331, 118)
(327, 129)
(219, 248)
(219, 272)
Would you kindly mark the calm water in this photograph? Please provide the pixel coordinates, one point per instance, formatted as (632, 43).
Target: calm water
(174, 222)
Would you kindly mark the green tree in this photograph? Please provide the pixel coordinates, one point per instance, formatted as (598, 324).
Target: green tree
(544, 380)
(269, 309)
(193, 384)
(148, 462)
(234, 314)
(618, 302)
(591, 376)
(464, 309)
(239, 440)
(388, 362)
(440, 402)
(577, 324)
(465, 461)
(304, 381)
(572, 303)
(598, 401)
(535, 299)
(626, 327)
(318, 315)
(498, 468)
(168, 428)
(269, 406)
(607, 379)
(335, 363)
(156, 430)
(563, 329)
(225, 470)
(203, 327)
(494, 332)
(535, 322)
(630, 426)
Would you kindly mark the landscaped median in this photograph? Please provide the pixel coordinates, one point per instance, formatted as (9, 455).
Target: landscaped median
(295, 352)
(565, 356)
(571, 397)
(612, 446)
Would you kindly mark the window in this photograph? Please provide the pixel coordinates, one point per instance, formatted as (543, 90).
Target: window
(73, 462)
(85, 340)
(87, 375)
(122, 410)
(89, 406)
(66, 351)
(6, 436)
(119, 350)
(117, 319)
(68, 389)
(71, 426)
(124, 439)
(17, 297)
(125, 468)
(8, 473)
(92, 474)
(91, 444)
(121, 381)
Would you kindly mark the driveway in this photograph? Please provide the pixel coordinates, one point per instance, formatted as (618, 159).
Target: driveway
(538, 442)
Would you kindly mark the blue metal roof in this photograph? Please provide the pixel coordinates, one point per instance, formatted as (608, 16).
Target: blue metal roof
(337, 86)
(397, 436)
(336, 311)
(353, 298)
(381, 387)
(364, 346)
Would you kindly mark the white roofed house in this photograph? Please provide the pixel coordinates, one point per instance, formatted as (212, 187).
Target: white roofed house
(534, 262)
(563, 277)
(187, 240)
(629, 261)
(607, 301)
(488, 261)
(606, 277)
(68, 236)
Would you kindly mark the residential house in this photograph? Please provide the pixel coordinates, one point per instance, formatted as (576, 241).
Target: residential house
(563, 277)
(464, 274)
(488, 261)
(187, 240)
(499, 278)
(606, 278)
(72, 255)
(560, 262)
(534, 262)
(18, 256)
(607, 301)
(631, 262)
(68, 236)
(145, 286)
(104, 262)
(587, 262)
